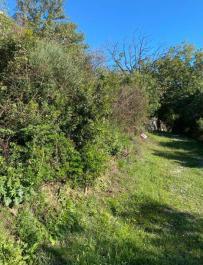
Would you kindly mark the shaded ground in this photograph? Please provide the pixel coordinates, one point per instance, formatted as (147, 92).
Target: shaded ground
(186, 152)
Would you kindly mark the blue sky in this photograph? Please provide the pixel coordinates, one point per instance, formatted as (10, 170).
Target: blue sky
(165, 22)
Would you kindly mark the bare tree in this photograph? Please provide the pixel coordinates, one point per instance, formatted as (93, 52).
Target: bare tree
(131, 55)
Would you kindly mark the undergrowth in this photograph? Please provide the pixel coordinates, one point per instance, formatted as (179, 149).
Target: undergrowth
(145, 210)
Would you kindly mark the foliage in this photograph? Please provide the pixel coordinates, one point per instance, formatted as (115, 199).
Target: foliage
(30, 230)
(46, 19)
(39, 15)
(94, 161)
(179, 74)
(51, 106)
(11, 251)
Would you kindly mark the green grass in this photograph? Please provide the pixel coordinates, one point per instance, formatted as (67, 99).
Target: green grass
(146, 211)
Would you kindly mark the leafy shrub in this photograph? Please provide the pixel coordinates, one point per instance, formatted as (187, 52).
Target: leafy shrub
(65, 222)
(50, 108)
(11, 190)
(52, 156)
(31, 232)
(10, 251)
(112, 139)
(94, 159)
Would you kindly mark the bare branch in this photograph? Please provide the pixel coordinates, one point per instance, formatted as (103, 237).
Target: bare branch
(129, 56)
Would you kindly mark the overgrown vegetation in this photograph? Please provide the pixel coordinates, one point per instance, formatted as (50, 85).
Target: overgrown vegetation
(179, 73)
(73, 185)
(145, 211)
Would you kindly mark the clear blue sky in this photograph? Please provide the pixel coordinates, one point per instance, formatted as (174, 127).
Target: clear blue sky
(166, 22)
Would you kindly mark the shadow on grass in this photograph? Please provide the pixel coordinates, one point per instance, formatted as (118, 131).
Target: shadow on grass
(170, 237)
(186, 152)
(178, 236)
(50, 256)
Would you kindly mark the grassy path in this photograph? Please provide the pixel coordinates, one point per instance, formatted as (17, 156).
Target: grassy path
(172, 172)
(149, 213)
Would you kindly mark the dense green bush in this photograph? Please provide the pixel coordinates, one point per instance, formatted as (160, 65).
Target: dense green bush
(11, 252)
(52, 108)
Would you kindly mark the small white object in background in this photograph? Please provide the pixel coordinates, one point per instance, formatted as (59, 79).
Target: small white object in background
(1, 12)
(143, 136)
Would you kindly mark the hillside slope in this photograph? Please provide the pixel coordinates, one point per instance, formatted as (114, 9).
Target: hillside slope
(147, 210)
